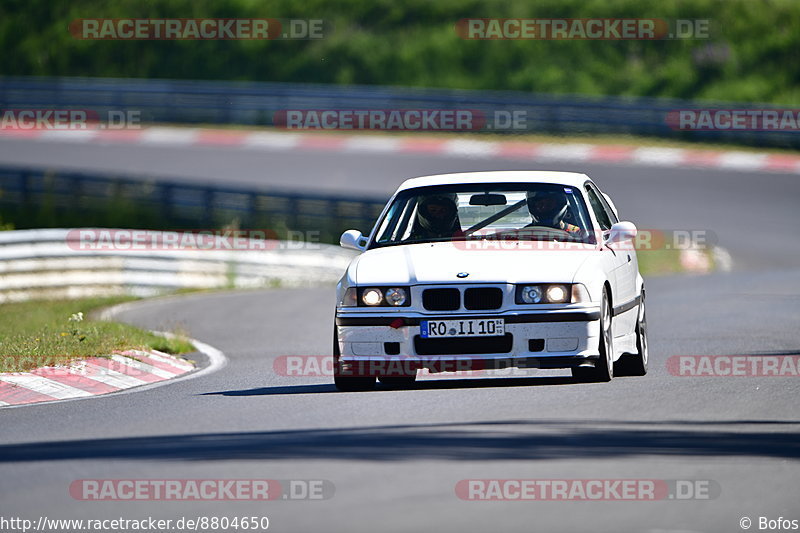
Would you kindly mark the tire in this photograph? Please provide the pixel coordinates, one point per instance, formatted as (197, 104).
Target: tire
(636, 364)
(604, 367)
(348, 383)
(398, 381)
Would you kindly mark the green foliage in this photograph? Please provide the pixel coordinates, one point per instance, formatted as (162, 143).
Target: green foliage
(751, 55)
(41, 333)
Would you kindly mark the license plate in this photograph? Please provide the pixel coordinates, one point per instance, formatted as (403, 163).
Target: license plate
(484, 327)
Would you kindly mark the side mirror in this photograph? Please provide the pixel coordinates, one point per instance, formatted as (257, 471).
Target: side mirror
(621, 232)
(354, 240)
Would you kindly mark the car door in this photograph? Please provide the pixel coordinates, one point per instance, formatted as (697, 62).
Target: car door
(627, 268)
(620, 256)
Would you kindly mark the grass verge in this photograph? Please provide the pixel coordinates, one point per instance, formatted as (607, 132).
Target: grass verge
(41, 333)
(659, 262)
(664, 262)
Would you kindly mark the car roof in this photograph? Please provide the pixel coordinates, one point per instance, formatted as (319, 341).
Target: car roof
(573, 179)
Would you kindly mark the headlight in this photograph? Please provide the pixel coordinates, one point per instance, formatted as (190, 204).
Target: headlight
(557, 294)
(531, 294)
(382, 297)
(551, 293)
(396, 296)
(372, 297)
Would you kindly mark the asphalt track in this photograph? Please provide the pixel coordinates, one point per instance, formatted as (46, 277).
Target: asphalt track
(395, 456)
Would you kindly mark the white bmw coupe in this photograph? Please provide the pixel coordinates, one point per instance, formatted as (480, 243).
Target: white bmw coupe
(491, 270)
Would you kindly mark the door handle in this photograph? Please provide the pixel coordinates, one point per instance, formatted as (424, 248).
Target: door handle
(629, 258)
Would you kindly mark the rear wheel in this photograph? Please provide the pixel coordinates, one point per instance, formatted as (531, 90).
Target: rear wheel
(344, 382)
(604, 367)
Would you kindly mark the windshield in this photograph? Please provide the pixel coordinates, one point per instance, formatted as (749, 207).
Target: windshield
(528, 211)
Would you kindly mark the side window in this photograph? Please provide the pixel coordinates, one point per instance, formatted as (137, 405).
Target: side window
(599, 209)
(382, 234)
(611, 214)
(388, 228)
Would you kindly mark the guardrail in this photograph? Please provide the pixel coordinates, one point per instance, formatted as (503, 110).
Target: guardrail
(52, 263)
(46, 198)
(216, 102)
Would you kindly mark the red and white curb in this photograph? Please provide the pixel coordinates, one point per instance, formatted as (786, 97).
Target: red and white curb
(90, 377)
(123, 373)
(353, 143)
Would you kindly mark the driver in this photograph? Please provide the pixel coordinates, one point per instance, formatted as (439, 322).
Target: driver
(547, 208)
(437, 217)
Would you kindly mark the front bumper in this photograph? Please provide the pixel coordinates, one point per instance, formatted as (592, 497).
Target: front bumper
(562, 338)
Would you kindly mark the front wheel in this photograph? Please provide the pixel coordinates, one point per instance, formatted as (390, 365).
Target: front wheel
(349, 384)
(344, 382)
(636, 364)
(398, 381)
(604, 367)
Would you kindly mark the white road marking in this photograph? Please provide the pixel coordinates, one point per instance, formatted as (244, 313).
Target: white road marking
(143, 368)
(363, 143)
(659, 156)
(216, 358)
(741, 160)
(568, 152)
(180, 136)
(467, 148)
(69, 135)
(168, 359)
(112, 377)
(278, 141)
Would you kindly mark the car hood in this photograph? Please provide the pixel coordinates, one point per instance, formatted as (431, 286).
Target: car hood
(441, 262)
